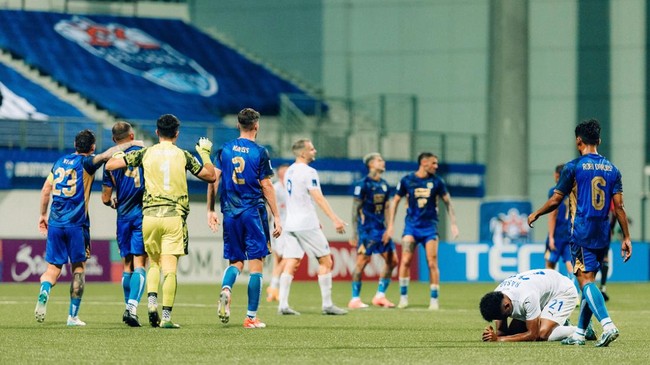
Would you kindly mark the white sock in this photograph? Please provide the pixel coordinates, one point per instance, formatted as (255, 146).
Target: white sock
(607, 324)
(285, 288)
(275, 282)
(325, 283)
(561, 332)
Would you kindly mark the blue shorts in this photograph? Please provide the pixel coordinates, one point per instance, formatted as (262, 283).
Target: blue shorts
(562, 251)
(246, 236)
(421, 235)
(370, 243)
(65, 243)
(587, 259)
(129, 236)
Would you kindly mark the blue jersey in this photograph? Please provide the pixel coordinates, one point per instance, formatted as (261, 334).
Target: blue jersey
(243, 164)
(71, 177)
(590, 181)
(562, 222)
(423, 196)
(128, 184)
(374, 195)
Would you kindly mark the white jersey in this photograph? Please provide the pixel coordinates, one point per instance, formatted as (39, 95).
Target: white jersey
(301, 210)
(281, 200)
(531, 291)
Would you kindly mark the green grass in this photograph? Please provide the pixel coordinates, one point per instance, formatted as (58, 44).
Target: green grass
(370, 336)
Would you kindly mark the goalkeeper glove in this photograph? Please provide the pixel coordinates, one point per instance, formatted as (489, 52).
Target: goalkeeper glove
(204, 147)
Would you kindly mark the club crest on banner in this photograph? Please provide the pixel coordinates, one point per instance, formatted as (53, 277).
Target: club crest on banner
(134, 51)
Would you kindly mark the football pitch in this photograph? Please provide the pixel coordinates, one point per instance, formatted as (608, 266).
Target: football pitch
(367, 336)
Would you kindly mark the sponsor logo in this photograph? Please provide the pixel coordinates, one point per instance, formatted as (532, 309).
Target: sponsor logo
(134, 51)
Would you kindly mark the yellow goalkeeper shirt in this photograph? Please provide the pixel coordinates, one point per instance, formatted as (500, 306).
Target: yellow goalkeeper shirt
(165, 179)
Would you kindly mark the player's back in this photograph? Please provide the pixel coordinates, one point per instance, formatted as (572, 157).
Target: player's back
(72, 177)
(243, 164)
(129, 186)
(301, 212)
(593, 181)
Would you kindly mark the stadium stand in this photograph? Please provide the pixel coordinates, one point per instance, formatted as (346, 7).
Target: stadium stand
(140, 68)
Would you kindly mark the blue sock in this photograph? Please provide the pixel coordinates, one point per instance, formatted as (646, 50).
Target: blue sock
(137, 284)
(434, 291)
(45, 286)
(383, 285)
(403, 289)
(74, 306)
(229, 277)
(356, 289)
(585, 315)
(126, 285)
(254, 293)
(594, 298)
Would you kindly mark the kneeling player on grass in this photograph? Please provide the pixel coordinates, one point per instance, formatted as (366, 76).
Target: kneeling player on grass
(539, 303)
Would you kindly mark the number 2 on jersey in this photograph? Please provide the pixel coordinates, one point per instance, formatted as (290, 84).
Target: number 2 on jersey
(239, 163)
(70, 177)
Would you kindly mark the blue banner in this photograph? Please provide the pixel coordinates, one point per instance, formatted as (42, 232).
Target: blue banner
(27, 169)
(483, 262)
(504, 222)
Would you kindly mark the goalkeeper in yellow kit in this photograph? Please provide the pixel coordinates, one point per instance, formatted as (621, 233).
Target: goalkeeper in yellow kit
(165, 208)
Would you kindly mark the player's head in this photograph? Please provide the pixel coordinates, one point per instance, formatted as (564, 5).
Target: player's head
(428, 162)
(588, 132)
(494, 305)
(167, 126)
(281, 170)
(374, 161)
(84, 141)
(558, 171)
(305, 150)
(122, 131)
(248, 119)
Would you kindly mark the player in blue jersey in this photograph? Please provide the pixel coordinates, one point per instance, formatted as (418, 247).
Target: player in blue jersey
(243, 170)
(68, 226)
(559, 233)
(422, 190)
(128, 184)
(369, 210)
(591, 182)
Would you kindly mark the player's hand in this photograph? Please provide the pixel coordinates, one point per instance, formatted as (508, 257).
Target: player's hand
(42, 225)
(353, 241)
(551, 243)
(204, 148)
(277, 227)
(626, 249)
(489, 335)
(385, 238)
(339, 225)
(213, 221)
(114, 203)
(531, 219)
(454, 231)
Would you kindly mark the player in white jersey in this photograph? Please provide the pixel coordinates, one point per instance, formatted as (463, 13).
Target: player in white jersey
(303, 188)
(277, 244)
(539, 303)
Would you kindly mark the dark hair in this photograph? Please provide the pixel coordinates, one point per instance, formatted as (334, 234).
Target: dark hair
(168, 125)
(247, 118)
(424, 155)
(589, 132)
(121, 130)
(558, 168)
(84, 141)
(491, 306)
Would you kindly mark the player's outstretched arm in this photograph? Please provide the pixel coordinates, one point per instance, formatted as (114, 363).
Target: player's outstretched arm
(45, 202)
(324, 205)
(269, 194)
(204, 148)
(213, 218)
(551, 204)
(106, 155)
(621, 216)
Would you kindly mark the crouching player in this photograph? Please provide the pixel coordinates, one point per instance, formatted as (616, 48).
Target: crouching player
(539, 303)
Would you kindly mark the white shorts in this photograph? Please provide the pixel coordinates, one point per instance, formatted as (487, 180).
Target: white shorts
(560, 307)
(278, 244)
(312, 242)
